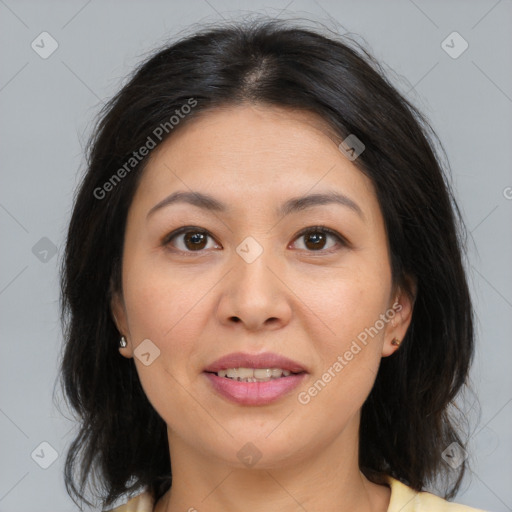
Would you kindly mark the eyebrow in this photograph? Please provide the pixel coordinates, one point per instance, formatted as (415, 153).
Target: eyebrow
(296, 204)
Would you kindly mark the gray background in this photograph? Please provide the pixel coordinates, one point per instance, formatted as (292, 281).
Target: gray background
(47, 107)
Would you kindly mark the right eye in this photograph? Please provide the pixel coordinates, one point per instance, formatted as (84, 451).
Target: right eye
(189, 239)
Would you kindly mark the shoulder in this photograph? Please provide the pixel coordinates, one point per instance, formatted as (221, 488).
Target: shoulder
(141, 503)
(406, 499)
(403, 499)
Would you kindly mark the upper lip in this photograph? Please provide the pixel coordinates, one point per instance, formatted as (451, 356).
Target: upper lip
(264, 360)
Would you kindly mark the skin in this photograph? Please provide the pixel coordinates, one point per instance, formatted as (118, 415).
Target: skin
(304, 303)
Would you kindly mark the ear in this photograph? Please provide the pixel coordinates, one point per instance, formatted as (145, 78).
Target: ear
(118, 310)
(400, 313)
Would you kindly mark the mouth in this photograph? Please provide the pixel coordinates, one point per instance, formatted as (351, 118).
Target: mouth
(254, 379)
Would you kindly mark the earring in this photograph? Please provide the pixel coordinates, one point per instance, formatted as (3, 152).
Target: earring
(396, 342)
(122, 342)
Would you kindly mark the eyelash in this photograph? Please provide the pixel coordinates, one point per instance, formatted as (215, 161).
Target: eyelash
(313, 229)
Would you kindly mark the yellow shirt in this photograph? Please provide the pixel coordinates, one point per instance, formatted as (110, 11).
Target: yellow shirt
(403, 499)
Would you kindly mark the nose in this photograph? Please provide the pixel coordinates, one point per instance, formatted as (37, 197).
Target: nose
(255, 294)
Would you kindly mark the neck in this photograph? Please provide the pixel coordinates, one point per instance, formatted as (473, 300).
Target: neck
(326, 478)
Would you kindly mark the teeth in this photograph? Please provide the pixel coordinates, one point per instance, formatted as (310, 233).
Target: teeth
(263, 373)
(253, 374)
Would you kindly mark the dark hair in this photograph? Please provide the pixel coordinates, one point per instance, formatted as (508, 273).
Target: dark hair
(406, 421)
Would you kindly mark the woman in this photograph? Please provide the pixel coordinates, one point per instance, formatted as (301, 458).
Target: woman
(263, 291)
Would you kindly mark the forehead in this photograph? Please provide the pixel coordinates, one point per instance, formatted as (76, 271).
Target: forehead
(253, 153)
(249, 129)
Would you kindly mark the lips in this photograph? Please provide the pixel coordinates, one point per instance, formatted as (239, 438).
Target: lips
(254, 393)
(265, 360)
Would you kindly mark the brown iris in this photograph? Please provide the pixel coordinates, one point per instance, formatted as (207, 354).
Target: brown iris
(314, 240)
(197, 240)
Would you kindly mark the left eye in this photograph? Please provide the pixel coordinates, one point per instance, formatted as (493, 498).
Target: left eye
(316, 237)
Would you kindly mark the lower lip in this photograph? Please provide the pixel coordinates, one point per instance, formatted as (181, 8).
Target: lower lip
(255, 393)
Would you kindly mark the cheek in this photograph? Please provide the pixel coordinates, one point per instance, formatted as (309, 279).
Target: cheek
(349, 337)
(345, 300)
(161, 300)
(165, 308)
(349, 352)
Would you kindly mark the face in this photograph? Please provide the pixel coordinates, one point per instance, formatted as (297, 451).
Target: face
(260, 273)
